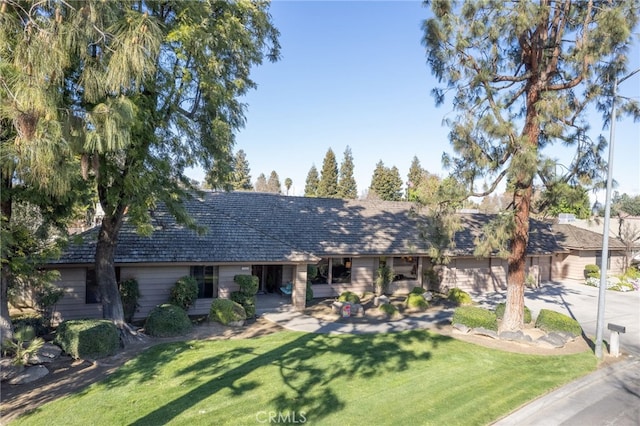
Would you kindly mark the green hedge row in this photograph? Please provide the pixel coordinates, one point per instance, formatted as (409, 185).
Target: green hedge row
(555, 321)
(473, 317)
(88, 338)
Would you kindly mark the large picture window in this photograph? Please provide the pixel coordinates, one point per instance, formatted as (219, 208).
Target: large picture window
(405, 268)
(341, 270)
(207, 278)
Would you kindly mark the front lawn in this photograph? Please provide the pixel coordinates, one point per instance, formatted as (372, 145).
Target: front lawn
(414, 377)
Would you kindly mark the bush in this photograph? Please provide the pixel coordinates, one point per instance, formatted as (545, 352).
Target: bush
(418, 290)
(384, 277)
(459, 297)
(33, 321)
(246, 296)
(473, 317)
(88, 338)
(502, 306)
(246, 301)
(348, 296)
(46, 297)
(167, 321)
(129, 294)
(555, 321)
(309, 296)
(416, 301)
(225, 311)
(388, 309)
(184, 292)
(591, 271)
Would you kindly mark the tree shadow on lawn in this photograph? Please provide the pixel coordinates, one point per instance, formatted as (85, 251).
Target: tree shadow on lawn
(305, 377)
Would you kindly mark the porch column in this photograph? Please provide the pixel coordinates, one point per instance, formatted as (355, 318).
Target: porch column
(299, 295)
(420, 273)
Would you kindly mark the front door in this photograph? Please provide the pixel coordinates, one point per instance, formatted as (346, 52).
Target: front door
(269, 276)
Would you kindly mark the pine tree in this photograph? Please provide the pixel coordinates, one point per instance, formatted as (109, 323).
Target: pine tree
(386, 183)
(241, 179)
(414, 178)
(273, 184)
(347, 187)
(311, 184)
(261, 184)
(523, 76)
(328, 185)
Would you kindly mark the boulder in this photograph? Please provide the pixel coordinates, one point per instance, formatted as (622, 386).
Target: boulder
(357, 310)
(336, 307)
(238, 323)
(461, 328)
(380, 300)
(552, 340)
(47, 353)
(481, 331)
(515, 336)
(30, 374)
(428, 296)
(8, 370)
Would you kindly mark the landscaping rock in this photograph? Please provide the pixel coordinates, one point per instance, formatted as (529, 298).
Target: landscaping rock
(47, 353)
(336, 307)
(515, 336)
(568, 337)
(481, 331)
(461, 328)
(238, 323)
(7, 370)
(30, 374)
(380, 300)
(552, 340)
(357, 310)
(428, 296)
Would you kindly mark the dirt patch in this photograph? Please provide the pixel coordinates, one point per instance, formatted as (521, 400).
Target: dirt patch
(68, 376)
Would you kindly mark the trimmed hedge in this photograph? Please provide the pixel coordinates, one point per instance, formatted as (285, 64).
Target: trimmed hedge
(502, 306)
(246, 296)
(418, 290)
(591, 271)
(184, 292)
(88, 338)
(555, 321)
(416, 301)
(166, 321)
(348, 296)
(388, 309)
(225, 311)
(459, 297)
(473, 317)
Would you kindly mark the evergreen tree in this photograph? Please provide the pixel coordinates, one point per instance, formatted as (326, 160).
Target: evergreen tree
(328, 185)
(414, 178)
(273, 184)
(347, 187)
(523, 76)
(241, 179)
(386, 183)
(261, 184)
(311, 184)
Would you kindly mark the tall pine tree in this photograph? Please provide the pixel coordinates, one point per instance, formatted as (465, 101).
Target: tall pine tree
(261, 184)
(311, 183)
(241, 179)
(273, 184)
(347, 187)
(328, 185)
(386, 183)
(414, 178)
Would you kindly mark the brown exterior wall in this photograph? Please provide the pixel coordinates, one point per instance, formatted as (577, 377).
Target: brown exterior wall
(571, 265)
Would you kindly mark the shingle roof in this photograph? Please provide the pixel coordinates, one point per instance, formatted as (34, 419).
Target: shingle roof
(574, 237)
(257, 227)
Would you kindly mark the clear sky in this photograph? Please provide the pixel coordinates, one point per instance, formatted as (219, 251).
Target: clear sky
(355, 74)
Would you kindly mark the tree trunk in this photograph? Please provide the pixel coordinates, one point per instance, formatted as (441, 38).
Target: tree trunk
(105, 269)
(6, 326)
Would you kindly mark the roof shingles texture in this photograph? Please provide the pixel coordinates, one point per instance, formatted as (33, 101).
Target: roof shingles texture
(256, 227)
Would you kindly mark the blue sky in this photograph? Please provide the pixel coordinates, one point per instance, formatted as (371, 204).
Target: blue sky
(355, 74)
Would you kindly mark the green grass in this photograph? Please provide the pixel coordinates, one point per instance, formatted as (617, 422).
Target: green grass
(414, 377)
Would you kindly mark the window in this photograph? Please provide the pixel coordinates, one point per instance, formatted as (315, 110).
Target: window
(207, 278)
(341, 270)
(405, 268)
(599, 259)
(318, 274)
(92, 293)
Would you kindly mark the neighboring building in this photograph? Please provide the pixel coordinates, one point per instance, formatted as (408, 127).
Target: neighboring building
(584, 247)
(279, 239)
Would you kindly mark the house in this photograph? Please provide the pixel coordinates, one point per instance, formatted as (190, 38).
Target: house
(584, 247)
(335, 244)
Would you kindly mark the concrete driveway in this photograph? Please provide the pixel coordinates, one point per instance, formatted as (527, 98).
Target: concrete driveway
(581, 302)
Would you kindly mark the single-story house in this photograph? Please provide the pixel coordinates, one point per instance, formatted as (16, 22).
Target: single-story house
(336, 244)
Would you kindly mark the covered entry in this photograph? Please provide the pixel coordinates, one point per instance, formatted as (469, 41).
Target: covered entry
(269, 276)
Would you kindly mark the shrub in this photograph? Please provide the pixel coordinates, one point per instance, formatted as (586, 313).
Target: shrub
(46, 297)
(309, 296)
(473, 317)
(348, 296)
(502, 306)
(225, 311)
(88, 338)
(246, 296)
(459, 297)
(184, 292)
(418, 290)
(167, 321)
(384, 277)
(388, 309)
(129, 294)
(555, 321)
(33, 321)
(591, 271)
(416, 301)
